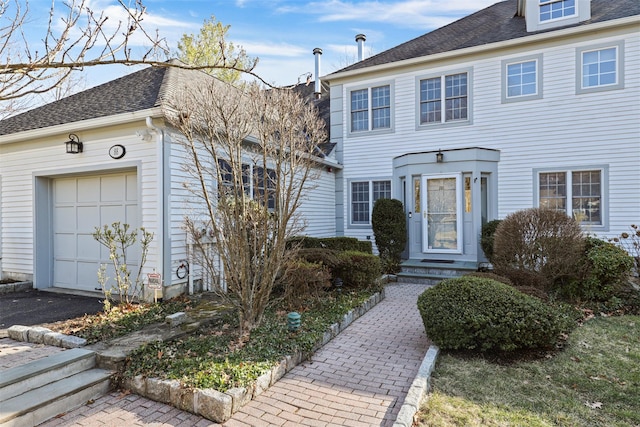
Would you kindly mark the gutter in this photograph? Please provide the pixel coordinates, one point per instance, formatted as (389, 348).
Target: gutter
(614, 24)
(164, 177)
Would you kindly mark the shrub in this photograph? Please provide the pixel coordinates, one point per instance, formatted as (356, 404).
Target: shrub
(630, 241)
(334, 243)
(474, 313)
(604, 267)
(492, 276)
(303, 280)
(327, 257)
(544, 243)
(390, 230)
(358, 269)
(487, 236)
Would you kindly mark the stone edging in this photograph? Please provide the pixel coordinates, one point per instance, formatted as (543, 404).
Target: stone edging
(6, 288)
(419, 388)
(40, 335)
(219, 407)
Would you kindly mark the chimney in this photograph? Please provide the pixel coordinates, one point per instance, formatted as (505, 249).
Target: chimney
(317, 52)
(360, 39)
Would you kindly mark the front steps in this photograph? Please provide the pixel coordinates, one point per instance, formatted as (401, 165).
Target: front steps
(33, 393)
(432, 272)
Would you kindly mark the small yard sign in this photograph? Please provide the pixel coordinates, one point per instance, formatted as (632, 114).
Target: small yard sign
(155, 283)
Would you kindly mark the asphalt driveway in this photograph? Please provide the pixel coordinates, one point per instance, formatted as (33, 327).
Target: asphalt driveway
(35, 307)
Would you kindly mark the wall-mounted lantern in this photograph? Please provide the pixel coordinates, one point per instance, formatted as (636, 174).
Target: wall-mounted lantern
(74, 146)
(439, 157)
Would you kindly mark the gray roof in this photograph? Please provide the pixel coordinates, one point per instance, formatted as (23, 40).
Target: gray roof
(134, 92)
(493, 24)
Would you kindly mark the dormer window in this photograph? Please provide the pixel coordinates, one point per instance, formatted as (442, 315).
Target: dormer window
(556, 9)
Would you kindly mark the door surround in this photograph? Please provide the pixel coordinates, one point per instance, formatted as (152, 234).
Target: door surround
(480, 165)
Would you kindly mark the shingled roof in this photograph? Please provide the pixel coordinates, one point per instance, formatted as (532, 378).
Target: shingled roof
(493, 24)
(137, 91)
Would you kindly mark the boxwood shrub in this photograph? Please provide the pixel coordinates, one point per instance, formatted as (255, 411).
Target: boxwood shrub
(475, 313)
(358, 269)
(333, 243)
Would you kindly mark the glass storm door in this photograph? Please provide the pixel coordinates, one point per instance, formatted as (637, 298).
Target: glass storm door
(441, 214)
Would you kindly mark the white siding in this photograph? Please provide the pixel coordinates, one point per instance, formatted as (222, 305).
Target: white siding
(318, 205)
(561, 129)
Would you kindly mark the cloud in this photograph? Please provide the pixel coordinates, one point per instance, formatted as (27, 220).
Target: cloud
(260, 49)
(421, 14)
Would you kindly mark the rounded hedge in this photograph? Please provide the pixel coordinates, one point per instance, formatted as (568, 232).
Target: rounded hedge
(475, 313)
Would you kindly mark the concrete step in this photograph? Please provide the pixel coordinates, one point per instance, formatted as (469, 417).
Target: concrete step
(43, 403)
(43, 371)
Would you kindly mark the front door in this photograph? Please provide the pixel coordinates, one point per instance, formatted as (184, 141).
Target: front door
(442, 213)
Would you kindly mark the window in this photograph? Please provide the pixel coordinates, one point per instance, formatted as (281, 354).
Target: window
(252, 183)
(363, 196)
(264, 182)
(555, 9)
(577, 193)
(522, 79)
(600, 68)
(444, 99)
(374, 115)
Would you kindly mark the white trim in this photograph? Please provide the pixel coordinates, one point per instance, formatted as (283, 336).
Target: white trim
(89, 124)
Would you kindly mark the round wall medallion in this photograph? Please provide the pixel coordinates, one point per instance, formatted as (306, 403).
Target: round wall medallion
(117, 151)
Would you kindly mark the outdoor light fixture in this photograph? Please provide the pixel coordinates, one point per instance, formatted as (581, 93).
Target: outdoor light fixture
(337, 282)
(439, 156)
(74, 146)
(293, 321)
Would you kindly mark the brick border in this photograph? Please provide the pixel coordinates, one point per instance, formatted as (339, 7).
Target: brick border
(219, 407)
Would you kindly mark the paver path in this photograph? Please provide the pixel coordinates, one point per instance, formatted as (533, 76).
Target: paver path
(360, 378)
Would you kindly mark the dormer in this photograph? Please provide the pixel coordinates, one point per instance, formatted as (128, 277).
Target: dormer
(548, 14)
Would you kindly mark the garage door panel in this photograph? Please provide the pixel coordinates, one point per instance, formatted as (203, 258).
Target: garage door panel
(88, 190)
(88, 218)
(65, 273)
(64, 246)
(112, 189)
(132, 214)
(132, 188)
(65, 190)
(88, 247)
(111, 214)
(64, 218)
(88, 275)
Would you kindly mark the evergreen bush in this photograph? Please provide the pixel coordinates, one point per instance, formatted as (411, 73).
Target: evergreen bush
(390, 230)
(358, 269)
(475, 313)
(487, 236)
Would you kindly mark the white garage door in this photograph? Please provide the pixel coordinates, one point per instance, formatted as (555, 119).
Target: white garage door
(80, 204)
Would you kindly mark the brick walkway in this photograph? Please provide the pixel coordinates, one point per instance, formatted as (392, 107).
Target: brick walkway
(15, 353)
(359, 378)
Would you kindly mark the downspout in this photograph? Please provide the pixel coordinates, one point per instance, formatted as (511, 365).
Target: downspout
(163, 207)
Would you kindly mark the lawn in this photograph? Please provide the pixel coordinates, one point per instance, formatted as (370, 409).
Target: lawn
(594, 381)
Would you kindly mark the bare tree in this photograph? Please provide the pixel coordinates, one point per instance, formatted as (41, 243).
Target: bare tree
(256, 146)
(77, 37)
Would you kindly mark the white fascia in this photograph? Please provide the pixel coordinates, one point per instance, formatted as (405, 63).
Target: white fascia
(82, 125)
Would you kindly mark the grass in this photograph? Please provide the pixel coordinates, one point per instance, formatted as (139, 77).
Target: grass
(218, 357)
(594, 381)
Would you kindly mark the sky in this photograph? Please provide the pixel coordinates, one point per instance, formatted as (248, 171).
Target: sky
(283, 33)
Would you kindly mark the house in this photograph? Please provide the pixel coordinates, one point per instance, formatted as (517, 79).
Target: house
(523, 104)
(128, 168)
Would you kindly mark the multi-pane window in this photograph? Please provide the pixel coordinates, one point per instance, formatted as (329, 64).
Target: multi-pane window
(264, 183)
(521, 79)
(363, 196)
(576, 193)
(253, 183)
(599, 67)
(372, 115)
(444, 93)
(555, 9)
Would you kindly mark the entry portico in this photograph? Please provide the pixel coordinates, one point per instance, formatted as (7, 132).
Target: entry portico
(448, 195)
